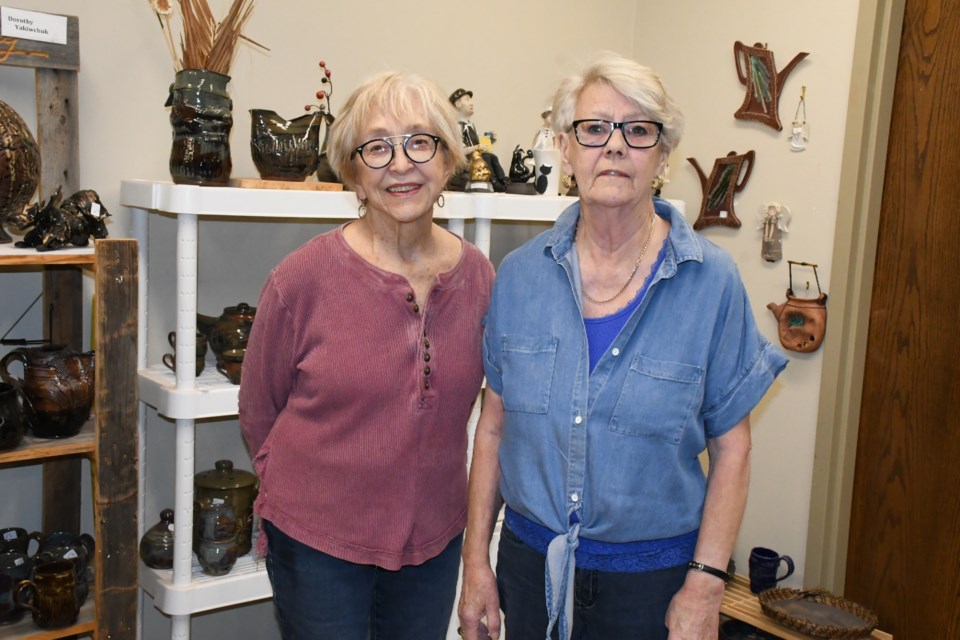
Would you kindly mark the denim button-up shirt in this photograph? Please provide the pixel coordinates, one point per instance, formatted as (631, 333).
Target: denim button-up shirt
(618, 446)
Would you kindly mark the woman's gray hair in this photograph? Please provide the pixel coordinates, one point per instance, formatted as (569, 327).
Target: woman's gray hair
(393, 94)
(630, 78)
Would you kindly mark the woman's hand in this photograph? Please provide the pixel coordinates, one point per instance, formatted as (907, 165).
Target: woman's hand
(479, 609)
(694, 612)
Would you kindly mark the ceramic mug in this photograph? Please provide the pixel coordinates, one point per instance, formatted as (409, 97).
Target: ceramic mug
(12, 425)
(230, 364)
(764, 565)
(78, 549)
(18, 539)
(51, 595)
(14, 567)
(201, 343)
(171, 361)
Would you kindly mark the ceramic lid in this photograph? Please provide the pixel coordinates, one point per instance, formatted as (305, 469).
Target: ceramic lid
(225, 477)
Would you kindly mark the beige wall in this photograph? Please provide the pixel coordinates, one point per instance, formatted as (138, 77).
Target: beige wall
(511, 54)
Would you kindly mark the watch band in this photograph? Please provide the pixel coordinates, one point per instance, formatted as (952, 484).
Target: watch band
(719, 573)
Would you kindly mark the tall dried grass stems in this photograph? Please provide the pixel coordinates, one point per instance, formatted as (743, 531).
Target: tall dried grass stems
(204, 42)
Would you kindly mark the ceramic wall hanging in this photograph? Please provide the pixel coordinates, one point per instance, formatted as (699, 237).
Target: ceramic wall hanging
(19, 166)
(718, 190)
(758, 73)
(801, 322)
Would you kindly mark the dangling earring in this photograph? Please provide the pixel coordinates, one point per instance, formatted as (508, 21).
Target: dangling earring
(362, 209)
(441, 201)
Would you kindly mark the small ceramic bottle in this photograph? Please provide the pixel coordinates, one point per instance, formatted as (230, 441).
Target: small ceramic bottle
(156, 545)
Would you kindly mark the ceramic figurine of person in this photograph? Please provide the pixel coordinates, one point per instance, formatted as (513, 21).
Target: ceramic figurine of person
(462, 101)
(545, 138)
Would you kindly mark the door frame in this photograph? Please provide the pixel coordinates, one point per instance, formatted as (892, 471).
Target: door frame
(875, 59)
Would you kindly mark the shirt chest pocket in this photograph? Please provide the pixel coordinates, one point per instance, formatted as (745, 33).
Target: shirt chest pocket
(528, 363)
(658, 399)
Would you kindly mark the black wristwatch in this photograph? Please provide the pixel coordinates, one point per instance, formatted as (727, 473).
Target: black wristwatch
(699, 566)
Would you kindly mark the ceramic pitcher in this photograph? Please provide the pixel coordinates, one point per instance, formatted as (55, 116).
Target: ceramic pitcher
(57, 388)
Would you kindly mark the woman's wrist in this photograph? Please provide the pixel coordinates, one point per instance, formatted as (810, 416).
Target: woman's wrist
(693, 565)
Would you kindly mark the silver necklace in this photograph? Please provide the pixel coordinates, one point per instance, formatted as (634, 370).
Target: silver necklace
(636, 266)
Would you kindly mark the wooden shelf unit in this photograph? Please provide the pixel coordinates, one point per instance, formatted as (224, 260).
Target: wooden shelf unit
(110, 440)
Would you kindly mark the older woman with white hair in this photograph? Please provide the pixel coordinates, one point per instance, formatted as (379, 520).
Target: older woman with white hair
(618, 346)
(362, 367)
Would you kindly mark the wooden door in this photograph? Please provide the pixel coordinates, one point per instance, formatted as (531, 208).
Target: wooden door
(904, 548)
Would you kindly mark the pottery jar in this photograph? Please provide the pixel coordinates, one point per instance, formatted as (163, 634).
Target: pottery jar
(217, 557)
(235, 487)
(156, 545)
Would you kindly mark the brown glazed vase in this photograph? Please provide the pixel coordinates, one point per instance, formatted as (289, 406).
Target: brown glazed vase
(201, 114)
(57, 388)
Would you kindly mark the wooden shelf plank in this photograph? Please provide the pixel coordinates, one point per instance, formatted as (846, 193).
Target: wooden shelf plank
(740, 603)
(12, 256)
(27, 630)
(33, 448)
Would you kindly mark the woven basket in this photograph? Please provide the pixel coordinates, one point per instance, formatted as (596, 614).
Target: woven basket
(818, 613)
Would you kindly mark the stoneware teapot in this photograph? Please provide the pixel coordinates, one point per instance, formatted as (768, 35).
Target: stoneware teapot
(230, 330)
(57, 388)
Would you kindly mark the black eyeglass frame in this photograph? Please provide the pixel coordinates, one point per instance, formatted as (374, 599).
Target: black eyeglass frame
(437, 140)
(617, 125)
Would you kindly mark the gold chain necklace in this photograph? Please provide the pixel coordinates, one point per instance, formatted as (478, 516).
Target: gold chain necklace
(636, 267)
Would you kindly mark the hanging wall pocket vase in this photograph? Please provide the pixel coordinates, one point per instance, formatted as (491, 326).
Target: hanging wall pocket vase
(758, 73)
(801, 322)
(720, 187)
(201, 116)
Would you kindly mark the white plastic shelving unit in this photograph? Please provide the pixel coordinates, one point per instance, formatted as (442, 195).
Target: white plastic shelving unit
(184, 397)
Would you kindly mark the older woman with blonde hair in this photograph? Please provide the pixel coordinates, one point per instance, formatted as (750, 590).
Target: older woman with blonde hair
(362, 368)
(618, 346)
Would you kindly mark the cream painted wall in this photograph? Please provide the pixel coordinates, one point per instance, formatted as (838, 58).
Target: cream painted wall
(511, 54)
(695, 59)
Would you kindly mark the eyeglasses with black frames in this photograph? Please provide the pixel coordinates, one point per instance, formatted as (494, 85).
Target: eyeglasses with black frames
(638, 134)
(379, 152)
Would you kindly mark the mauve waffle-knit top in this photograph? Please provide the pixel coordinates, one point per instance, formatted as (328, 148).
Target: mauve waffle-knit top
(355, 398)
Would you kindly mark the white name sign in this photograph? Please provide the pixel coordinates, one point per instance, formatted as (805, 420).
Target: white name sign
(31, 25)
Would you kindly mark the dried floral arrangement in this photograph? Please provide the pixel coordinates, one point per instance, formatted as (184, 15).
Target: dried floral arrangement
(205, 43)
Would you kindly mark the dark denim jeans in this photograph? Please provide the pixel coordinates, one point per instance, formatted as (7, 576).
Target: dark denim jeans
(319, 597)
(607, 606)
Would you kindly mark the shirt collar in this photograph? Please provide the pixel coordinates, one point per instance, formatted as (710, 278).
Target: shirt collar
(684, 243)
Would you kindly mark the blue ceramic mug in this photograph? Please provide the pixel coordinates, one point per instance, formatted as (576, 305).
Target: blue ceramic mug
(764, 566)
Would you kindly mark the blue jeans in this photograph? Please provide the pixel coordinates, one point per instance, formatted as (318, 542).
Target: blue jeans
(606, 605)
(319, 597)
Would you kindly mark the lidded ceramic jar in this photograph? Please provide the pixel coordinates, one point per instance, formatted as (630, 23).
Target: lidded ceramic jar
(234, 487)
(156, 545)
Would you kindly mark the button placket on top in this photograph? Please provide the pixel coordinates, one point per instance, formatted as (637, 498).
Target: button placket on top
(424, 366)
